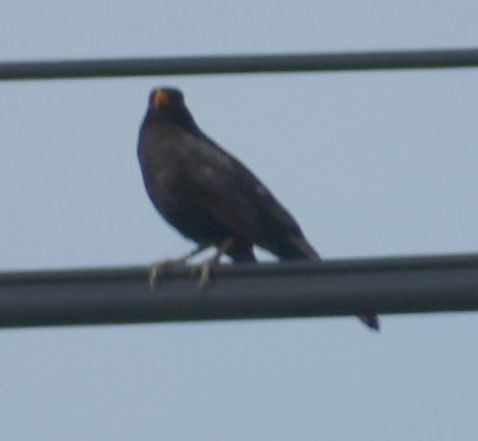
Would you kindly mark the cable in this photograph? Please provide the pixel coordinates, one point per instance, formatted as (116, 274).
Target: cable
(239, 64)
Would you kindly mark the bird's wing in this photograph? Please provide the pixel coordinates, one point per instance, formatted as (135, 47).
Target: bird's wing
(238, 199)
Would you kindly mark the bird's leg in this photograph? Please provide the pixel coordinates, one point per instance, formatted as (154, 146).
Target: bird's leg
(162, 266)
(209, 264)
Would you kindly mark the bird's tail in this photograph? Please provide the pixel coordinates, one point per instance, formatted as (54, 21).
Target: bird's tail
(299, 247)
(371, 320)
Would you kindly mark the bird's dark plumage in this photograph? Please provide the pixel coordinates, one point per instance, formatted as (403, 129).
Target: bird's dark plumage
(207, 194)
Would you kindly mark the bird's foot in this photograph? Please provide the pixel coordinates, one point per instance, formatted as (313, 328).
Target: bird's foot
(162, 267)
(205, 271)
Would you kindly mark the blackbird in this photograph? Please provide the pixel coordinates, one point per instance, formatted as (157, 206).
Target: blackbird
(208, 195)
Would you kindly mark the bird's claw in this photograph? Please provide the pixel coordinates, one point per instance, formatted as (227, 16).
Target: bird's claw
(205, 273)
(162, 267)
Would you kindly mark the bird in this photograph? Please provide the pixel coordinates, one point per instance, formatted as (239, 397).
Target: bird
(209, 196)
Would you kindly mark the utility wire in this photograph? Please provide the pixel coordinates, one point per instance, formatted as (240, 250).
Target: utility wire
(239, 64)
(292, 289)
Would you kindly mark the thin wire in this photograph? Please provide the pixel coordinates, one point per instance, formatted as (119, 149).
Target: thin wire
(239, 64)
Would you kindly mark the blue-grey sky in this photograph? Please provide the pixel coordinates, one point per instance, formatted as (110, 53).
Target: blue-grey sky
(371, 164)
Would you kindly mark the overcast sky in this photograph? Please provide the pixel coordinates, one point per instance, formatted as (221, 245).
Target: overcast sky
(370, 163)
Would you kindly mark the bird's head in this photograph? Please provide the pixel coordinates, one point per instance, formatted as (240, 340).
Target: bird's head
(166, 100)
(166, 106)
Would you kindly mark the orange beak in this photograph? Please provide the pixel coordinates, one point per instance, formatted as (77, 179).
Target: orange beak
(160, 99)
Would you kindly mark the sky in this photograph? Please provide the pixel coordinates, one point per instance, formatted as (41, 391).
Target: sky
(370, 163)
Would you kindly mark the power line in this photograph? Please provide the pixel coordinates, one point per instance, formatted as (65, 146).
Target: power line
(295, 289)
(239, 64)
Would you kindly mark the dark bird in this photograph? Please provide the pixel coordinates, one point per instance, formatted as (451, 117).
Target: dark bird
(208, 195)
